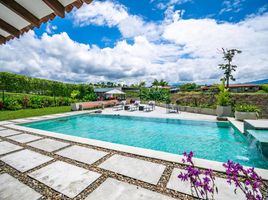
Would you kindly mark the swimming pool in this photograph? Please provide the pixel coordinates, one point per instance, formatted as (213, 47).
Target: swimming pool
(216, 141)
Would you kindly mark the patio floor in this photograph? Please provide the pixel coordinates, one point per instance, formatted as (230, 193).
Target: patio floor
(40, 166)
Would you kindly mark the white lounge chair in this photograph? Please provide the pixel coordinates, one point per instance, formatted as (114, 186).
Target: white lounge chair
(120, 106)
(172, 109)
(134, 106)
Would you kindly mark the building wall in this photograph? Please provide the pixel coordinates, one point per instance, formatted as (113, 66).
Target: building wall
(245, 89)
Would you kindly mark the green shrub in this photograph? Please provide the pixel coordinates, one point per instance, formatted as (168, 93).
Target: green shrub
(264, 87)
(90, 97)
(224, 96)
(12, 104)
(156, 94)
(36, 102)
(247, 108)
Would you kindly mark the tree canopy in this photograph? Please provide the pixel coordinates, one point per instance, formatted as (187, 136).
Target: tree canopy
(24, 84)
(228, 68)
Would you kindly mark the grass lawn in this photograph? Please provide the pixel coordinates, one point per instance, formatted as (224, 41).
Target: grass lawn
(7, 115)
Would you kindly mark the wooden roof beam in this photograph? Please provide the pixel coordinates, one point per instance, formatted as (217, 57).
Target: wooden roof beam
(2, 39)
(21, 11)
(9, 28)
(56, 6)
(88, 1)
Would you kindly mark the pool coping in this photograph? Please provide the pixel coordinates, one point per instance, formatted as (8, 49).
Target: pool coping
(170, 157)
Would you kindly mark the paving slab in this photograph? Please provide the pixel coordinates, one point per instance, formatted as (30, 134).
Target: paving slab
(112, 189)
(65, 178)
(20, 120)
(25, 160)
(48, 145)
(12, 189)
(5, 122)
(82, 154)
(8, 132)
(23, 138)
(132, 167)
(2, 128)
(7, 147)
(225, 190)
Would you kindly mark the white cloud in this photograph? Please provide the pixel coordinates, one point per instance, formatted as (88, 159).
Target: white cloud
(203, 37)
(111, 14)
(231, 6)
(164, 5)
(100, 13)
(50, 28)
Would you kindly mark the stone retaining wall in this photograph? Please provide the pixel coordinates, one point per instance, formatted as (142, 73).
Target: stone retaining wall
(196, 99)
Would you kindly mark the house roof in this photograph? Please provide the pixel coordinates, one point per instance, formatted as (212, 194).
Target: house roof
(243, 85)
(20, 16)
(115, 91)
(104, 90)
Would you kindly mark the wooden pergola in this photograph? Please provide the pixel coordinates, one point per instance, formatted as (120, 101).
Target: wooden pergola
(20, 16)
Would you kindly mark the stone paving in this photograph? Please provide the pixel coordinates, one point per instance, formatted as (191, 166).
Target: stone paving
(43, 167)
(116, 190)
(6, 147)
(25, 160)
(48, 145)
(12, 189)
(65, 178)
(82, 154)
(24, 138)
(138, 169)
(8, 132)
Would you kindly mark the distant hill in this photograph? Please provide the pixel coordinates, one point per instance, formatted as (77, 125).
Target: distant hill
(259, 81)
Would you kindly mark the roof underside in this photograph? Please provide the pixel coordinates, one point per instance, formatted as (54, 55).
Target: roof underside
(19, 16)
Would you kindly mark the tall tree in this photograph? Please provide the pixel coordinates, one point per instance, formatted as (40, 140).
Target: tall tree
(228, 68)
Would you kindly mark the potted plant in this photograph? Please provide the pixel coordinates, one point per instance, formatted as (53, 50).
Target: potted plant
(245, 111)
(224, 108)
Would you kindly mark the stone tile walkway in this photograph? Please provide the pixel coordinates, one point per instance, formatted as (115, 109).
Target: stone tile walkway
(24, 138)
(8, 132)
(82, 154)
(12, 189)
(67, 179)
(139, 169)
(48, 145)
(6, 147)
(113, 189)
(25, 160)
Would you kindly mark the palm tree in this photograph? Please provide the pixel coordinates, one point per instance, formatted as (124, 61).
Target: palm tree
(162, 82)
(155, 82)
(228, 55)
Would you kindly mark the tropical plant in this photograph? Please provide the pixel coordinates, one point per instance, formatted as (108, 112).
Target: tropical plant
(90, 97)
(75, 94)
(159, 83)
(156, 94)
(224, 96)
(264, 87)
(228, 68)
(203, 181)
(188, 87)
(247, 108)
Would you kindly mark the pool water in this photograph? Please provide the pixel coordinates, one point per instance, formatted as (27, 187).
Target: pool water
(208, 140)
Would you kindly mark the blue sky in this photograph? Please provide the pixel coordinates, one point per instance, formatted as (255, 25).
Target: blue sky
(130, 41)
(149, 10)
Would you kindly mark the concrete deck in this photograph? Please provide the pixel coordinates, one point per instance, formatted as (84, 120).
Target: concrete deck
(72, 167)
